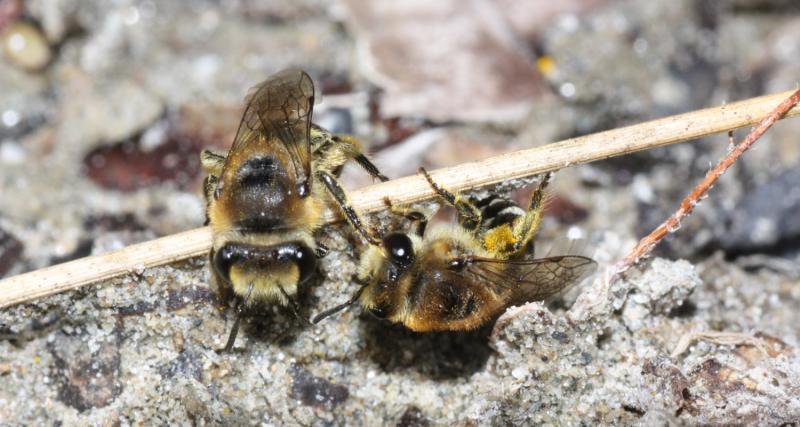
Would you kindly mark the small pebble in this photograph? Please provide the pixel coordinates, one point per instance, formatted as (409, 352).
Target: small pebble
(25, 46)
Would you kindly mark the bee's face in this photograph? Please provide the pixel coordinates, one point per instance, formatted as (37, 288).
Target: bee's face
(387, 267)
(268, 268)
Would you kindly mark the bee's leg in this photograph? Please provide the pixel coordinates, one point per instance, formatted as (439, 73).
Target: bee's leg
(331, 151)
(240, 304)
(293, 305)
(331, 311)
(351, 148)
(321, 251)
(209, 186)
(470, 214)
(370, 167)
(340, 197)
(212, 162)
(526, 227)
(418, 219)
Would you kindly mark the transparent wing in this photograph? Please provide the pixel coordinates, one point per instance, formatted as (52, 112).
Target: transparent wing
(279, 110)
(531, 280)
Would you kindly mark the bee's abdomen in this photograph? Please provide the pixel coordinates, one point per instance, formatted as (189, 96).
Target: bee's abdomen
(497, 210)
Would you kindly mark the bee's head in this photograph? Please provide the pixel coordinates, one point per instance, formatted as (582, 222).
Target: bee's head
(383, 269)
(286, 265)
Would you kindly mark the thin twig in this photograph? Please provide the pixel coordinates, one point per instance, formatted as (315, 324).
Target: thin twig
(721, 338)
(646, 244)
(519, 164)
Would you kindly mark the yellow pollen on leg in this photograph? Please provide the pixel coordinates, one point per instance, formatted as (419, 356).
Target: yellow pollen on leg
(499, 239)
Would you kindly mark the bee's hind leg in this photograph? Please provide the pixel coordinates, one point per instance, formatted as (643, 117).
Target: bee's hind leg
(526, 227)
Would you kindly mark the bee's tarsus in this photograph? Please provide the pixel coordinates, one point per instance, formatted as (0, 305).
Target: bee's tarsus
(370, 167)
(321, 250)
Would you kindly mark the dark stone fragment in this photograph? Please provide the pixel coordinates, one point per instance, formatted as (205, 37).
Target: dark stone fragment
(10, 251)
(176, 300)
(106, 223)
(181, 297)
(398, 130)
(137, 309)
(413, 417)
(186, 364)
(126, 166)
(668, 381)
(315, 391)
(331, 83)
(560, 336)
(84, 248)
(336, 120)
(26, 126)
(634, 410)
(767, 215)
(85, 380)
(565, 210)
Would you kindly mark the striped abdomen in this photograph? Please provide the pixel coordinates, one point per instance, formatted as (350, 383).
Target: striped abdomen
(497, 210)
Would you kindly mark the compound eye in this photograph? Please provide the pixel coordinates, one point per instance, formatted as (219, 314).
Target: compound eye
(224, 259)
(379, 312)
(306, 262)
(399, 248)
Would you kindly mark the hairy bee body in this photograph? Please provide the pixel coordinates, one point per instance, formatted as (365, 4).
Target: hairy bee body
(459, 277)
(426, 297)
(265, 197)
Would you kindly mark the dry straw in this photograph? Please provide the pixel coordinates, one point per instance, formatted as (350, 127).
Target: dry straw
(657, 133)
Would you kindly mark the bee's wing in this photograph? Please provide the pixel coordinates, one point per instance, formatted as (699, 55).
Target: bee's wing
(531, 280)
(279, 109)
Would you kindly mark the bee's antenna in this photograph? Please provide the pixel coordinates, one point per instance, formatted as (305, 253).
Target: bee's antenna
(331, 311)
(235, 329)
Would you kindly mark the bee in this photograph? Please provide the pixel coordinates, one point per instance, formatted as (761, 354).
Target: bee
(266, 196)
(459, 277)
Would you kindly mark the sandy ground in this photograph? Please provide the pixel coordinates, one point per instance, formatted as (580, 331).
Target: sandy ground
(101, 120)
